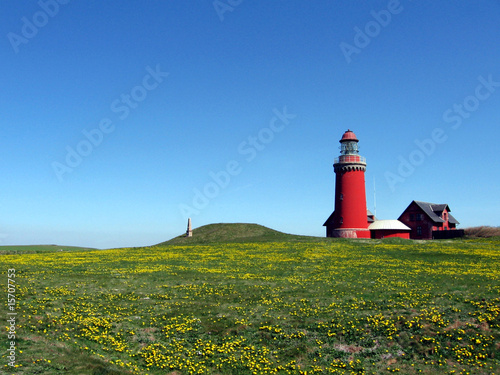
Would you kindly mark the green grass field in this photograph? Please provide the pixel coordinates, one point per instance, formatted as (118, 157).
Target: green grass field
(39, 249)
(244, 299)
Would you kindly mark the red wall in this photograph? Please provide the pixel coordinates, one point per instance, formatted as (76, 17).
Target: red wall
(426, 224)
(352, 207)
(386, 233)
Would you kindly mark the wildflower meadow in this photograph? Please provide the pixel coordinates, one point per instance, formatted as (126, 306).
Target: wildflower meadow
(298, 306)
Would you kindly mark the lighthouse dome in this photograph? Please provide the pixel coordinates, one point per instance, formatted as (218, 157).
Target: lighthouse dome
(349, 136)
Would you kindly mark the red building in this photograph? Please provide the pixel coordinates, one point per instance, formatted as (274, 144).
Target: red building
(349, 219)
(430, 220)
(389, 228)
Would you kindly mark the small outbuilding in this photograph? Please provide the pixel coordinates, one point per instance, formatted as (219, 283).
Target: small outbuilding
(389, 228)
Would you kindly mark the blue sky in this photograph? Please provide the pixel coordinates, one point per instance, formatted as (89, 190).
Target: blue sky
(120, 119)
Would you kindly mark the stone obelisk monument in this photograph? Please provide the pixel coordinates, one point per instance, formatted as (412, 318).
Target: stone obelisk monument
(189, 232)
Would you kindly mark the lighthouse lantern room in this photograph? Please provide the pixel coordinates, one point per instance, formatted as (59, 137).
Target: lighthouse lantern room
(349, 219)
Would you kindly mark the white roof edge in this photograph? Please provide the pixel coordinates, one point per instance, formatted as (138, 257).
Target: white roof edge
(388, 224)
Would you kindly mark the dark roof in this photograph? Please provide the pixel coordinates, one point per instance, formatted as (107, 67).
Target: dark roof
(429, 211)
(452, 220)
(328, 220)
(434, 211)
(439, 207)
(371, 217)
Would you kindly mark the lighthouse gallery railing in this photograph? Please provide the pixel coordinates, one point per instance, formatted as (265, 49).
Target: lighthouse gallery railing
(350, 159)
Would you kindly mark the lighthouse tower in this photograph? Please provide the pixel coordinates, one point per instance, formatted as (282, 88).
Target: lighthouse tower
(349, 220)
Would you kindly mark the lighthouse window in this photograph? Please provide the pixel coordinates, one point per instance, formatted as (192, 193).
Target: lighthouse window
(341, 220)
(341, 196)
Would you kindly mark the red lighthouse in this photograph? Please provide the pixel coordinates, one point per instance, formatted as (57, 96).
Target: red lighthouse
(349, 220)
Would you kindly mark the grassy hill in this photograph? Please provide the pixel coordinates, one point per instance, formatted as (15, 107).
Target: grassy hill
(234, 232)
(13, 249)
(243, 232)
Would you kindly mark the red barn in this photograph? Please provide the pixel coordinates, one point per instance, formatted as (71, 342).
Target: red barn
(430, 220)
